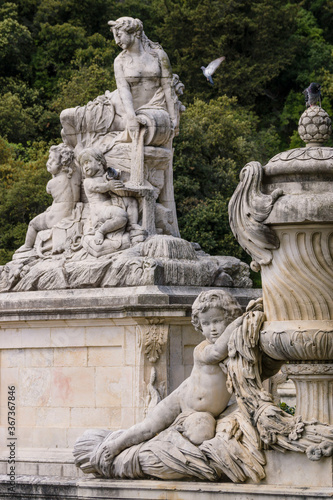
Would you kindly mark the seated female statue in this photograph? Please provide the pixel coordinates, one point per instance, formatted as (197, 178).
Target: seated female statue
(144, 80)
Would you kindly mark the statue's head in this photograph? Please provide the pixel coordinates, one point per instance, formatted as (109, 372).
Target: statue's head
(125, 26)
(92, 159)
(218, 300)
(127, 29)
(63, 156)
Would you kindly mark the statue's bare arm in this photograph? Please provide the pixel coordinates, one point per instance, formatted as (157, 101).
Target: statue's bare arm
(161, 417)
(124, 90)
(104, 187)
(215, 353)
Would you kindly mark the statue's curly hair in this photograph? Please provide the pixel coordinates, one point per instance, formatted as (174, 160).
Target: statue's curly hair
(215, 298)
(66, 156)
(129, 24)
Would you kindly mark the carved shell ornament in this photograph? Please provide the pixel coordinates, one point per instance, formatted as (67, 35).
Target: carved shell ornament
(249, 207)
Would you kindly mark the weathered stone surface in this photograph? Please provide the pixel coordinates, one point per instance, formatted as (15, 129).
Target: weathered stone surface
(179, 437)
(99, 303)
(49, 488)
(282, 214)
(160, 260)
(283, 470)
(112, 178)
(113, 221)
(315, 126)
(82, 358)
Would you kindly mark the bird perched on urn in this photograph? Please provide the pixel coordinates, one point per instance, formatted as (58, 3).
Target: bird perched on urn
(312, 94)
(211, 68)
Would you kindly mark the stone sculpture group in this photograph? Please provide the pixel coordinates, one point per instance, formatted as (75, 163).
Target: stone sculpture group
(113, 223)
(113, 219)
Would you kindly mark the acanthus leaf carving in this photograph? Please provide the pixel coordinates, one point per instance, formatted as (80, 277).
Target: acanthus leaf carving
(155, 336)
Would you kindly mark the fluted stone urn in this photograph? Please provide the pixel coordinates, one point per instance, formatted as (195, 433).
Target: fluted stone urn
(282, 215)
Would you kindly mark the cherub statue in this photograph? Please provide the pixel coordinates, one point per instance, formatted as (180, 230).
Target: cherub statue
(109, 212)
(64, 187)
(195, 432)
(194, 406)
(216, 314)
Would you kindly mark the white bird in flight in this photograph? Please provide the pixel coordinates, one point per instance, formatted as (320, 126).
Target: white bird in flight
(211, 68)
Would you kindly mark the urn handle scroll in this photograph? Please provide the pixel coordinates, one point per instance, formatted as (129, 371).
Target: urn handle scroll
(249, 207)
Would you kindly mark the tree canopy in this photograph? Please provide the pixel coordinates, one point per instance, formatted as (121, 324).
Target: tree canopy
(56, 54)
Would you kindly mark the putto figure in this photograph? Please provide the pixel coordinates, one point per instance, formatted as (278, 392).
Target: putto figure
(109, 212)
(188, 413)
(194, 432)
(205, 389)
(64, 187)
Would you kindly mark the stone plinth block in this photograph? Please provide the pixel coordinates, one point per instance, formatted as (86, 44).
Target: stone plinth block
(296, 470)
(45, 488)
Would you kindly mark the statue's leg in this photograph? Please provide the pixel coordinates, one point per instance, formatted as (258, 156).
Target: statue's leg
(133, 211)
(34, 226)
(160, 418)
(116, 218)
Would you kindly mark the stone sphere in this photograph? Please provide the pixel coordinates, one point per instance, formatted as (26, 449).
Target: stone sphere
(315, 125)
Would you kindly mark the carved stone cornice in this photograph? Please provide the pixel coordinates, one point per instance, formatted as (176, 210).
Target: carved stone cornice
(294, 369)
(312, 160)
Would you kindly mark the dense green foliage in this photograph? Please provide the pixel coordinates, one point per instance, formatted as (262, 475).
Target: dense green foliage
(59, 53)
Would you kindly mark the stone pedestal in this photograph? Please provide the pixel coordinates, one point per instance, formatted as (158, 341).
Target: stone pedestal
(284, 469)
(314, 389)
